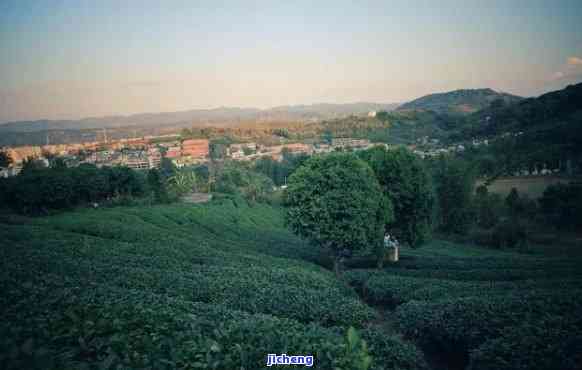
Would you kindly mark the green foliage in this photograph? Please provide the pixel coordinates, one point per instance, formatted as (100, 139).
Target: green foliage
(538, 130)
(357, 356)
(509, 233)
(562, 206)
(40, 190)
(279, 171)
(489, 308)
(488, 207)
(407, 184)
(157, 186)
(237, 179)
(214, 286)
(218, 147)
(552, 343)
(183, 181)
(454, 183)
(335, 202)
(461, 325)
(382, 116)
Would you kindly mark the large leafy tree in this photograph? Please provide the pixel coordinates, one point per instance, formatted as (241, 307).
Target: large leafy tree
(407, 183)
(455, 184)
(335, 202)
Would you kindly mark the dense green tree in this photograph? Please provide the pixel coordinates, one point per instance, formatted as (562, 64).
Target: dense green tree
(91, 183)
(279, 171)
(167, 168)
(157, 186)
(336, 203)
(454, 183)
(513, 203)
(238, 179)
(124, 181)
(561, 204)
(407, 183)
(30, 164)
(488, 207)
(382, 116)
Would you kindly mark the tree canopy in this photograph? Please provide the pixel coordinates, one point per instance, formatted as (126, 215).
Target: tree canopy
(335, 202)
(407, 184)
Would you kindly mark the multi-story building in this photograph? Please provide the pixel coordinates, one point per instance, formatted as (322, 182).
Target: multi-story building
(154, 157)
(195, 148)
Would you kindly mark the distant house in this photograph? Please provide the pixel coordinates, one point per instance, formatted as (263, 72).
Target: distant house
(372, 114)
(350, 143)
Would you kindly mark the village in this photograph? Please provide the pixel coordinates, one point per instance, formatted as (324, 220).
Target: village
(147, 152)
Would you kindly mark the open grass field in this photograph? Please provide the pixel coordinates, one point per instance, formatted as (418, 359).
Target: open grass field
(220, 285)
(532, 186)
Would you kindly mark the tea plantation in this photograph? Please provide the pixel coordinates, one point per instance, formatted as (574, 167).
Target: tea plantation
(480, 309)
(214, 286)
(221, 285)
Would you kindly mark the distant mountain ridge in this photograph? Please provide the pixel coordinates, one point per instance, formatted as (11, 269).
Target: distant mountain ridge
(200, 116)
(463, 102)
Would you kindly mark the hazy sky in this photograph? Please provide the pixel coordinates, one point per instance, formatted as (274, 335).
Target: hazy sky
(71, 59)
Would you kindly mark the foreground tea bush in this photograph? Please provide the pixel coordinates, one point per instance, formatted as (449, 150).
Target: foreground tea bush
(554, 343)
(388, 289)
(217, 286)
(72, 327)
(460, 325)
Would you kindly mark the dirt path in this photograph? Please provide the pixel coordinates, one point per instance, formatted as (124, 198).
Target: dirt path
(384, 321)
(196, 198)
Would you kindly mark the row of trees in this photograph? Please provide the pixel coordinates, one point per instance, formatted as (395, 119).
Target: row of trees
(345, 202)
(38, 190)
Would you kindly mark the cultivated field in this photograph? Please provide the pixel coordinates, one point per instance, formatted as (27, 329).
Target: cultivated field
(220, 285)
(532, 186)
(213, 286)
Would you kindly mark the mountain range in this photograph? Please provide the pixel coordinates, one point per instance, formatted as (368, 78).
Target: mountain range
(201, 117)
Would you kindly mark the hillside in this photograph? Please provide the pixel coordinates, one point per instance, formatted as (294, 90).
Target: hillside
(208, 286)
(546, 129)
(221, 285)
(461, 102)
(547, 111)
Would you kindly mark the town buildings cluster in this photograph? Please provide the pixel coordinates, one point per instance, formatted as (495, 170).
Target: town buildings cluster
(148, 152)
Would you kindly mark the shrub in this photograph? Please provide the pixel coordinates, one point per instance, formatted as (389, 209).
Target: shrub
(554, 343)
(562, 206)
(509, 233)
(461, 325)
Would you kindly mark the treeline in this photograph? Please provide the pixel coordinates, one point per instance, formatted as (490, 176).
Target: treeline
(489, 219)
(37, 190)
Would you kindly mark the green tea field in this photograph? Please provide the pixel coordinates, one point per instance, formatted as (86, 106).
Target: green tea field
(215, 286)
(221, 285)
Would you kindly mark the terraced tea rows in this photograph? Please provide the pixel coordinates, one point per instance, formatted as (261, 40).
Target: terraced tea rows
(474, 311)
(216, 286)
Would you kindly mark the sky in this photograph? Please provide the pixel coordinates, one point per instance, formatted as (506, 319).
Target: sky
(72, 59)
